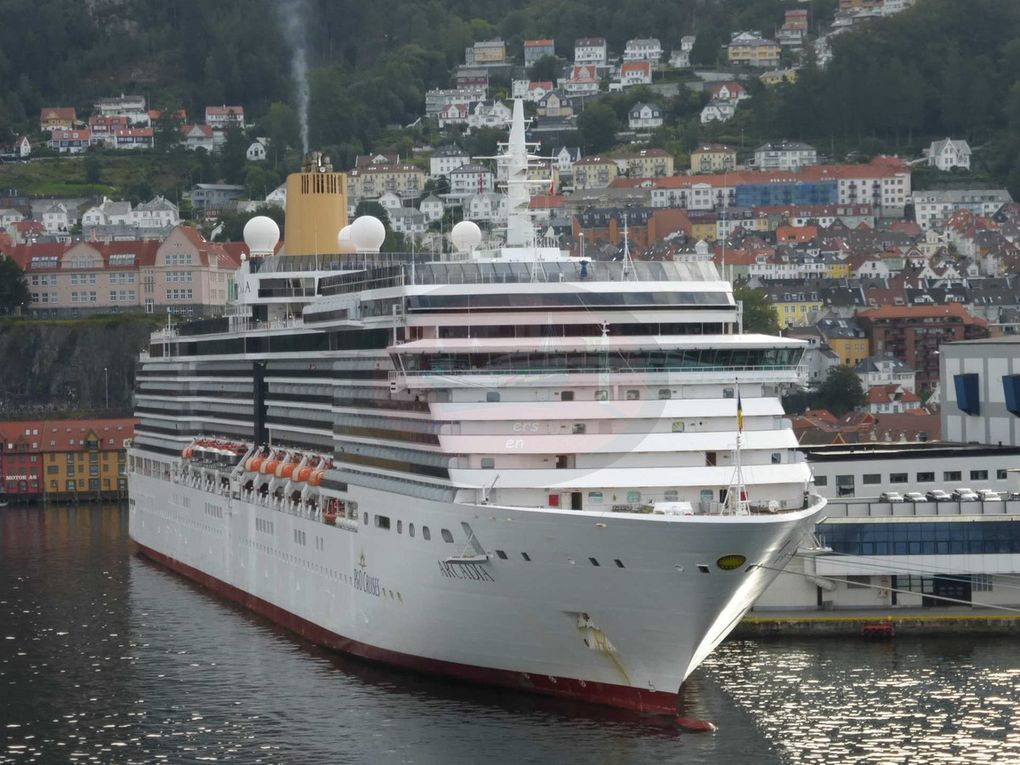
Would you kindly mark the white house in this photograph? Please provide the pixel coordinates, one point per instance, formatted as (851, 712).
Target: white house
(278, 196)
(198, 137)
(718, 111)
(784, 155)
(222, 117)
(885, 370)
(390, 201)
(947, 154)
(681, 57)
(644, 116)
(454, 114)
(643, 49)
(257, 151)
(590, 50)
(132, 107)
(486, 207)
(497, 115)
(471, 179)
(565, 157)
(583, 80)
(432, 208)
(107, 213)
(446, 159)
(19, 149)
(9, 217)
(158, 212)
(56, 219)
(635, 73)
(407, 220)
(533, 91)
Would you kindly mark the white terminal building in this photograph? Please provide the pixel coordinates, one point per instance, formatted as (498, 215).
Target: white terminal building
(888, 554)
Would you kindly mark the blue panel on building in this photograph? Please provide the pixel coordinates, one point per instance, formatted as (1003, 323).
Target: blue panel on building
(1011, 387)
(766, 194)
(968, 397)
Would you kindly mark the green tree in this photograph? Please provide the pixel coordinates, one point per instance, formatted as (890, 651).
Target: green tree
(93, 169)
(759, 314)
(233, 155)
(841, 391)
(14, 292)
(167, 127)
(598, 125)
(545, 69)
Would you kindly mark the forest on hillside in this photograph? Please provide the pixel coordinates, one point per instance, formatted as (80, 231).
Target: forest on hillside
(944, 67)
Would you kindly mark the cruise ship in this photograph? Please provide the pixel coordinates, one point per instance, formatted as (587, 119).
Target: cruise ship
(505, 464)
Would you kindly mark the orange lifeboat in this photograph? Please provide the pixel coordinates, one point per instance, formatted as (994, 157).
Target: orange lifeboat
(255, 463)
(303, 474)
(269, 466)
(187, 452)
(316, 477)
(285, 470)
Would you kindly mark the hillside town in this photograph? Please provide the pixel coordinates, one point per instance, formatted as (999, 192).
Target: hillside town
(872, 271)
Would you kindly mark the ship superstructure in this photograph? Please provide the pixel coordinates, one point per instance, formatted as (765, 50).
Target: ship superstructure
(507, 465)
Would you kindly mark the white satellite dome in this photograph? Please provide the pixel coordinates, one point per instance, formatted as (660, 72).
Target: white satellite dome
(466, 236)
(368, 233)
(344, 241)
(261, 235)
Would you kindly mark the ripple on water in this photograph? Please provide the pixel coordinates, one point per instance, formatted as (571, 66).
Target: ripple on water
(899, 703)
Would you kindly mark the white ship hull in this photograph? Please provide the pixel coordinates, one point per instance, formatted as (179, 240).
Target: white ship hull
(624, 632)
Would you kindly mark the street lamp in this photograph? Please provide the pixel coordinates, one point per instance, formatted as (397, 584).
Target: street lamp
(106, 379)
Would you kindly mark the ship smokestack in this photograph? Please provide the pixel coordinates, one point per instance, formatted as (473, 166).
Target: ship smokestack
(316, 206)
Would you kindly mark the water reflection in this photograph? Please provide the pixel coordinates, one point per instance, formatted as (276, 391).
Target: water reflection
(106, 657)
(915, 700)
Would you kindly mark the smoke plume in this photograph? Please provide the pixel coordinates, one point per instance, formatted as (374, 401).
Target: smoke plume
(294, 16)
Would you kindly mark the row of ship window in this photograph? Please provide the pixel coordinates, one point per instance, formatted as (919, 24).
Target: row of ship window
(383, 522)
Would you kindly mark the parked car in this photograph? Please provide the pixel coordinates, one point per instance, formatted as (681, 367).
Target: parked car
(937, 495)
(963, 494)
(914, 496)
(891, 496)
(987, 495)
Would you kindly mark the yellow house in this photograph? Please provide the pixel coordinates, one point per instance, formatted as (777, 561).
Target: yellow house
(375, 180)
(647, 163)
(713, 158)
(595, 172)
(750, 49)
(847, 340)
(703, 229)
(837, 269)
(778, 76)
(796, 313)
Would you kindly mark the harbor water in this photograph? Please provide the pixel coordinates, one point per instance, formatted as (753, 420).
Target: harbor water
(107, 658)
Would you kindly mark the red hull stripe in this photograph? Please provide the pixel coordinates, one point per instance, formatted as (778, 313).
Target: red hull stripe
(636, 699)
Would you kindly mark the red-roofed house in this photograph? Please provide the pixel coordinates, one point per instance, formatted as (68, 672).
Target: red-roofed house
(70, 141)
(134, 138)
(891, 399)
(582, 81)
(222, 117)
(727, 91)
(635, 73)
(198, 137)
(103, 127)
